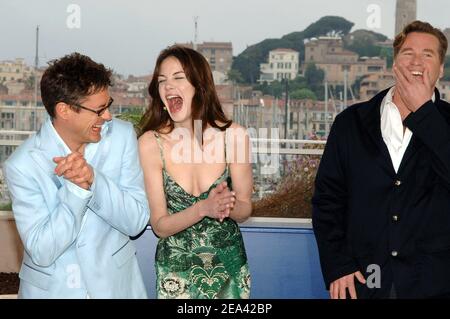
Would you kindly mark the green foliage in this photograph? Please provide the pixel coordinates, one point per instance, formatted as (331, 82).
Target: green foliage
(303, 94)
(6, 207)
(328, 24)
(313, 75)
(388, 54)
(247, 63)
(298, 88)
(131, 116)
(275, 88)
(235, 76)
(364, 43)
(446, 69)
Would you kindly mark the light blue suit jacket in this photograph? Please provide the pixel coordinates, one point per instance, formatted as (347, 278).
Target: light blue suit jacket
(77, 247)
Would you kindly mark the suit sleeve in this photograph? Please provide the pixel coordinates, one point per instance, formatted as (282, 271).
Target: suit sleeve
(431, 127)
(46, 233)
(124, 204)
(330, 208)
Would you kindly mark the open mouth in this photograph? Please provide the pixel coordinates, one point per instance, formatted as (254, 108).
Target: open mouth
(417, 73)
(175, 103)
(97, 128)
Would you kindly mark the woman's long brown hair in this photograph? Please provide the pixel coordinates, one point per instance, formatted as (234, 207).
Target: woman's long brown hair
(205, 103)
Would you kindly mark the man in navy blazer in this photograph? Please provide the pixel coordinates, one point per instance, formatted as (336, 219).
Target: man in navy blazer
(381, 207)
(78, 192)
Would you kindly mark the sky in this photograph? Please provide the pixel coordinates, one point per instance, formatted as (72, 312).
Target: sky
(127, 36)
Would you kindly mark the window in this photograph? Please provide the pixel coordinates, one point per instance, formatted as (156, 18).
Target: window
(374, 68)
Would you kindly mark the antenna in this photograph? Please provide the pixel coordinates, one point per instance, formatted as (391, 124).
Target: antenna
(196, 32)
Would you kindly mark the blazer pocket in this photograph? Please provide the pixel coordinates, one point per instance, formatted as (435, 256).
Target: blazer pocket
(124, 253)
(35, 277)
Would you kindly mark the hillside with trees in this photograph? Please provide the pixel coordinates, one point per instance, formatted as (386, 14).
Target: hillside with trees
(363, 42)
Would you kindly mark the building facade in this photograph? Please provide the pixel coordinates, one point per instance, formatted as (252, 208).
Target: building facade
(15, 70)
(218, 54)
(282, 64)
(328, 54)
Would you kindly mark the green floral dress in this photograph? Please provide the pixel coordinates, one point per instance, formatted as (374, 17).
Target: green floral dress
(204, 261)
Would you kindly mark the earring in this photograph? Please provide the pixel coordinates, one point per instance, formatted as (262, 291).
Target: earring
(165, 108)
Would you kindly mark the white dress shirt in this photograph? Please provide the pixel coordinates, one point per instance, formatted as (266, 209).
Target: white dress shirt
(392, 129)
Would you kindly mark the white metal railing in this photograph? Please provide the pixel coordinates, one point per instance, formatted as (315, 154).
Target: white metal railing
(260, 145)
(285, 146)
(8, 137)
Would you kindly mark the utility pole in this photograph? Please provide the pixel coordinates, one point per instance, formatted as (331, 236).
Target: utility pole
(286, 114)
(345, 88)
(36, 65)
(196, 32)
(326, 108)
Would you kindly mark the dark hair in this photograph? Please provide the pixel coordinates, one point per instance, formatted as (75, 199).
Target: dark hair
(205, 103)
(422, 27)
(71, 79)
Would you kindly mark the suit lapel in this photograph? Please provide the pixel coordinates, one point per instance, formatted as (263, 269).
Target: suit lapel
(370, 118)
(101, 149)
(46, 147)
(415, 145)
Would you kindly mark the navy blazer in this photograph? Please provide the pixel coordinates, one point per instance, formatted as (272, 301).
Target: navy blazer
(365, 215)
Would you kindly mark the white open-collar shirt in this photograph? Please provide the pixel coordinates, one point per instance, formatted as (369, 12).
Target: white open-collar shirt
(392, 129)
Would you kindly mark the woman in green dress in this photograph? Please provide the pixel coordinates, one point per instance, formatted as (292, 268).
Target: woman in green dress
(198, 179)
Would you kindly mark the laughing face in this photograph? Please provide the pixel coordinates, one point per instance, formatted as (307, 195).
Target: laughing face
(176, 91)
(420, 52)
(85, 126)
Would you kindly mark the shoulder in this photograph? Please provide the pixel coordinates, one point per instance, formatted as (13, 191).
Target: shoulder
(118, 126)
(20, 157)
(148, 142)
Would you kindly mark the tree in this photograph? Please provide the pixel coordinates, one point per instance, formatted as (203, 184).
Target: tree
(29, 83)
(446, 69)
(388, 54)
(235, 76)
(134, 116)
(302, 94)
(249, 60)
(313, 75)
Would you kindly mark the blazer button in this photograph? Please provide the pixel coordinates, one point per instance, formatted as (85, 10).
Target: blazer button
(394, 253)
(395, 218)
(397, 183)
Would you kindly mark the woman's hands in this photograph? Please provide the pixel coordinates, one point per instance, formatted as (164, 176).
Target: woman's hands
(219, 203)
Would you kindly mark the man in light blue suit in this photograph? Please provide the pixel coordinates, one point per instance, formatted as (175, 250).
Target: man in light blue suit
(78, 192)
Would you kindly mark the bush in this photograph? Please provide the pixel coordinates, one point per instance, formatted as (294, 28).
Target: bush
(292, 197)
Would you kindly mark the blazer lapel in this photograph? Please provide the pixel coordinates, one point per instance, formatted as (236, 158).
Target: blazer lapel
(103, 146)
(415, 145)
(371, 123)
(46, 147)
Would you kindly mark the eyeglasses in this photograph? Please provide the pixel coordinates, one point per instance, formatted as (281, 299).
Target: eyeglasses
(98, 112)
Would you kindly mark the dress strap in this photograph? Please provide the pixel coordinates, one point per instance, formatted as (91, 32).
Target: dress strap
(225, 150)
(158, 140)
